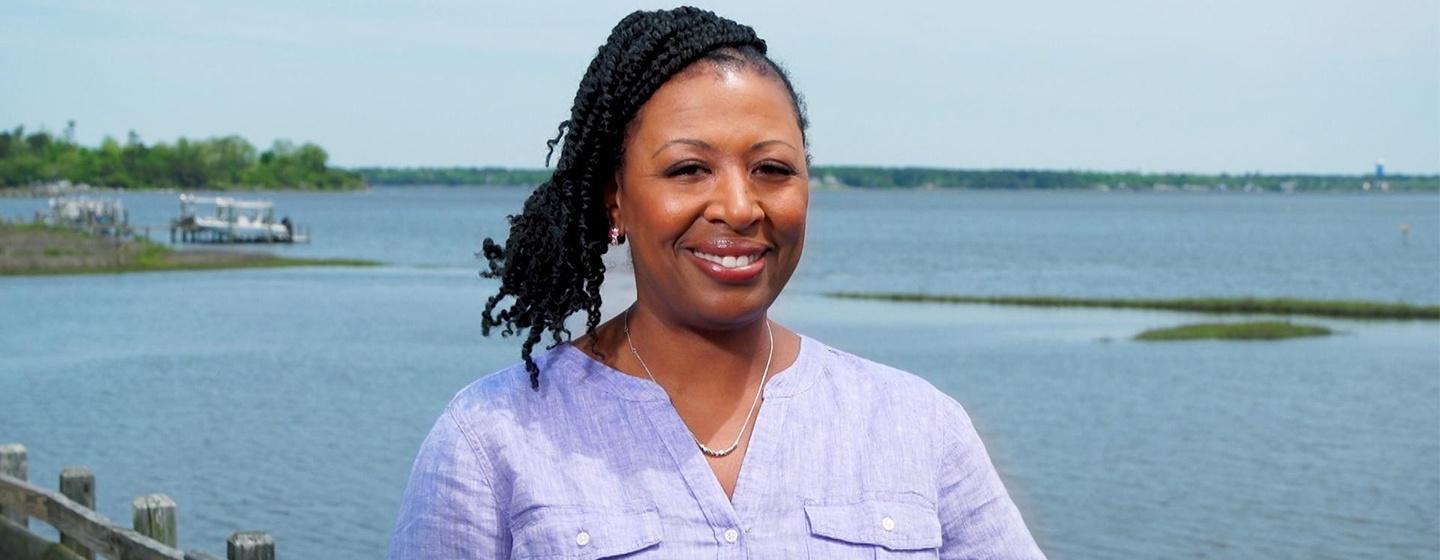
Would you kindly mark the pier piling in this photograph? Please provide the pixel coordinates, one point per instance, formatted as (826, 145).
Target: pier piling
(12, 463)
(250, 545)
(154, 516)
(78, 484)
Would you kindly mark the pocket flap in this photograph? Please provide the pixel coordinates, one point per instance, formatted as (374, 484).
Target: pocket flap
(891, 524)
(585, 534)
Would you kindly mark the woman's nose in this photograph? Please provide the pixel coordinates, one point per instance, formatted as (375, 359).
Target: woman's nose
(733, 200)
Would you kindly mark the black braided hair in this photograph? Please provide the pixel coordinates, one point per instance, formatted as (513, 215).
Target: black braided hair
(551, 264)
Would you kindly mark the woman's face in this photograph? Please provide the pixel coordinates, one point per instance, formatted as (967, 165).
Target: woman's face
(712, 194)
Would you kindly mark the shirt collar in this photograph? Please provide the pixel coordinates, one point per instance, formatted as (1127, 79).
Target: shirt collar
(788, 382)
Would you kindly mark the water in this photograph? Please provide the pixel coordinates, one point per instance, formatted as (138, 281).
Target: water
(292, 400)
(1054, 243)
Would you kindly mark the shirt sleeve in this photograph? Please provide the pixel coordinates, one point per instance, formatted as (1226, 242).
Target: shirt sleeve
(449, 508)
(977, 516)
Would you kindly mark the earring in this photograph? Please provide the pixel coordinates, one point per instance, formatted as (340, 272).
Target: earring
(614, 235)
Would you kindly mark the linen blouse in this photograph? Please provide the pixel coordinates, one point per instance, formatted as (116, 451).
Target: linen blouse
(847, 459)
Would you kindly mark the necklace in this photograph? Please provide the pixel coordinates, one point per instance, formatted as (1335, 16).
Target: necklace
(763, 375)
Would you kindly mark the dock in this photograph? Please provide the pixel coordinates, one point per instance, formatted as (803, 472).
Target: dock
(85, 534)
(97, 216)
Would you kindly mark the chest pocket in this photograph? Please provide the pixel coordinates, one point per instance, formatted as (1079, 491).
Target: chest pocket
(873, 529)
(585, 534)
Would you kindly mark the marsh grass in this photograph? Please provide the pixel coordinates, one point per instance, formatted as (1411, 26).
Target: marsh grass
(1254, 330)
(1347, 309)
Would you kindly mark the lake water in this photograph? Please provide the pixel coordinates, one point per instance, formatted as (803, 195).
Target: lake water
(293, 400)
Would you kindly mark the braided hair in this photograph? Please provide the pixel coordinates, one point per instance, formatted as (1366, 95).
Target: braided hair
(551, 266)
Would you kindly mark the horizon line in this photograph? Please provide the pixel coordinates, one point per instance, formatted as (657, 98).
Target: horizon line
(1388, 172)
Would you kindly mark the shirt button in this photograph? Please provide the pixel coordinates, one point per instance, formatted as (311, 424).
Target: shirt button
(731, 535)
(582, 539)
(888, 524)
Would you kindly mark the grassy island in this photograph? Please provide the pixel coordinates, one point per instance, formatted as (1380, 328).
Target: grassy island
(33, 249)
(1345, 309)
(1255, 330)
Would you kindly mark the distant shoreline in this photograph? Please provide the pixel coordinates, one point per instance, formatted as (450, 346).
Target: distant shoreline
(923, 178)
(48, 191)
(42, 193)
(1340, 309)
(42, 160)
(834, 178)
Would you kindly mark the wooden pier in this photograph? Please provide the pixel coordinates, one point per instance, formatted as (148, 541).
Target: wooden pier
(84, 534)
(182, 232)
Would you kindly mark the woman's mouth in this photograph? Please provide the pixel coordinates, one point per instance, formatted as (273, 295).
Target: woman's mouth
(730, 261)
(729, 268)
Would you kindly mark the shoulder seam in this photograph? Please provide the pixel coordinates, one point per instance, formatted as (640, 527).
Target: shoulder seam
(478, 450)
(964, 440)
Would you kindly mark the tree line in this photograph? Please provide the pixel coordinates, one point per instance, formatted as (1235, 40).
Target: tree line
(230, 162)
(937, 178)
(226, 162)
(453, 176)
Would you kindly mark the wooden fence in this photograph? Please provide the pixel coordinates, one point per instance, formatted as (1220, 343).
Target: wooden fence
(85, 533)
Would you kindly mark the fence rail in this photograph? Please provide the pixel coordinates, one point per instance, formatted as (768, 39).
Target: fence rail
(85, 533)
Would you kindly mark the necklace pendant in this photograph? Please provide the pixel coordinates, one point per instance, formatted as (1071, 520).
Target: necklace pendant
(713, 453)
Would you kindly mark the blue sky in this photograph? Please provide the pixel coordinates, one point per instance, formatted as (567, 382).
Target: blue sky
(1310, 86)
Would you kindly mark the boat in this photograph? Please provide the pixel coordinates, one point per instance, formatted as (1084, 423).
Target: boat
(232, 220)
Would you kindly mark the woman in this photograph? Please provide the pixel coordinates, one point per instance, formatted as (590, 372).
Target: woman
(689, 425)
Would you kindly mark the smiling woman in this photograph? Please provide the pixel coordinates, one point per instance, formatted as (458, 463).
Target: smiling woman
(691, 424)
(712, 192)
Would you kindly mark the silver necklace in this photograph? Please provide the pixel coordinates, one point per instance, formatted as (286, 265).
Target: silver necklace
(763, 375)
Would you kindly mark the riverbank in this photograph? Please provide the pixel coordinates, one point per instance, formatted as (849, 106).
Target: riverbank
(1344, 309)
(37, 250)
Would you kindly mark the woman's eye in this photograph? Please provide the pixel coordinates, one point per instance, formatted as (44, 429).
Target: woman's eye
(684, 169)
(774, 169)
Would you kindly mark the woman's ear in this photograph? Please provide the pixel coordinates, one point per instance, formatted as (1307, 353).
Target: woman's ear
(612, 202)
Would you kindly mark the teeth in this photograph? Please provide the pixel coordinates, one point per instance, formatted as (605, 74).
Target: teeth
(729, 261)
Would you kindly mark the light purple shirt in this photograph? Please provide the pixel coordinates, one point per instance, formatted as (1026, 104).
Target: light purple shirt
(848, 459)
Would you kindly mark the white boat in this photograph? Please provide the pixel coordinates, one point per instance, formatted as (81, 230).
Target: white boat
(233, 220)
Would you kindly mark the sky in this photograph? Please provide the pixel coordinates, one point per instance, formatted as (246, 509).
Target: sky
(1278, 86)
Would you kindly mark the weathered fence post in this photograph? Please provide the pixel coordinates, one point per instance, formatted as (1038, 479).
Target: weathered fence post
(250, 545)
(155, 517)
(78, 484)
(12, 462)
